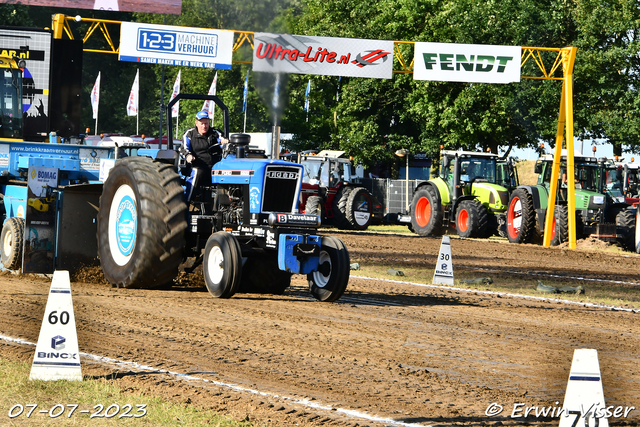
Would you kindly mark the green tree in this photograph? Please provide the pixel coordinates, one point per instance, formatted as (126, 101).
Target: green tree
(607, 71)
(377, 117)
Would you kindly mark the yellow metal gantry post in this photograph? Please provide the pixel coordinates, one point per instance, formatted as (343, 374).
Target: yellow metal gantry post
(565, 127)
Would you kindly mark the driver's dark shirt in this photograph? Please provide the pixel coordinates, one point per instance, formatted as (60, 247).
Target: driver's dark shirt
(202, 148)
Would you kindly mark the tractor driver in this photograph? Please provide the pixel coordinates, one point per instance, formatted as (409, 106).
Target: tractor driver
(201, 148)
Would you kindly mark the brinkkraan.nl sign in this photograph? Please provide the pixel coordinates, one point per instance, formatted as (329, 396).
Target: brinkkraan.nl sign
(329, 56)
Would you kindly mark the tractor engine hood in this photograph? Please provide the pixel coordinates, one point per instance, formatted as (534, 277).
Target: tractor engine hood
(274, 185)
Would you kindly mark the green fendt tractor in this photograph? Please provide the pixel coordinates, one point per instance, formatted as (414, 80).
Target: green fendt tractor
(469, 195)
(597, 211)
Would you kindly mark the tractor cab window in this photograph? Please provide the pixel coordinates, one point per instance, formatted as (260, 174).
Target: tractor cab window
(349, 172)
(446, 171)
(336, 174)
(324, 174)
(311, 172)
(586, 176)
(613, 179)
(632, 187)
(506, 176)
(474, 169)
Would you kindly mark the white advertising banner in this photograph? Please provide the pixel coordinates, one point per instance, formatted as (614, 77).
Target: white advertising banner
(328, 56)
(170, 45)
(473, 63)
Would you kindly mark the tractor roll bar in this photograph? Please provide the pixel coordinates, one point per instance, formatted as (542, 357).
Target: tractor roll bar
(214, 98)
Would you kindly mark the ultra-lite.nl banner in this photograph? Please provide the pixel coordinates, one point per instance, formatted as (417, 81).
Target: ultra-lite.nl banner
(472, 63)
(329, 56)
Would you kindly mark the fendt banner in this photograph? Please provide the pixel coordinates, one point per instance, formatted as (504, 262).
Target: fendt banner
(172, 7)
(473, 63)
(170, 45)
(328, 56)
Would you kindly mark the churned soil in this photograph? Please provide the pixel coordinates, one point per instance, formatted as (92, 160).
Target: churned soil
(387, 350)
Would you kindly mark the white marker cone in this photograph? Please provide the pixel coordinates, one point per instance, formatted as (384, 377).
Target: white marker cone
(57, 356)
(584, 399)
(444, 266)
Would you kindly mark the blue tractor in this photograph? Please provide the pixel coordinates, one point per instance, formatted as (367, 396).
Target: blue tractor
(245, 228)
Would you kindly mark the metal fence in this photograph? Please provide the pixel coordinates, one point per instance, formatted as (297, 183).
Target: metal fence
(390, 192)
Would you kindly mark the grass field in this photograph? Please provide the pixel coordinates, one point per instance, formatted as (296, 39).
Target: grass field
(119, 407)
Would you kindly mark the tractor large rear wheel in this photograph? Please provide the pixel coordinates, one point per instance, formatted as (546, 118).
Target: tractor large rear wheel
(637, 230)
(521, 217)
(330, 280)
(472, 219)
(426, 213)
(560, 231)
(315, 206)
(141, 224)
(625, 225)
(339, 208)
(12, 241)
(359, 208)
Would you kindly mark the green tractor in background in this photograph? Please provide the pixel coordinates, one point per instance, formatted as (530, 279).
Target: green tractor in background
(470, 194)
(597, 211)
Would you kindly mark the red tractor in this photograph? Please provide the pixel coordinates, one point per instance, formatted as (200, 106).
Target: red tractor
(329, 191)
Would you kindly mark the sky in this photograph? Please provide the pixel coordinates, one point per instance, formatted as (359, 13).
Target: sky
(602, 150)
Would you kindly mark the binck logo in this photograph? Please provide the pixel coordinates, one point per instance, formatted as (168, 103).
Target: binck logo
(57, 342)
(459, 62)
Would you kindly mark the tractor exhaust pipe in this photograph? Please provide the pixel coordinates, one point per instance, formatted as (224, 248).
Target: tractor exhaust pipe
(275, 142)
(456, 180)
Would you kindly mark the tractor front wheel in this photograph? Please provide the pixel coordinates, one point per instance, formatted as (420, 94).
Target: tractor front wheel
(471, 219)
(426, 213)
(330, 280)
(222, 265)
(12, 242)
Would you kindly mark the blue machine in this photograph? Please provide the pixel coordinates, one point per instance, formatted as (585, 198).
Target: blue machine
(67, 180)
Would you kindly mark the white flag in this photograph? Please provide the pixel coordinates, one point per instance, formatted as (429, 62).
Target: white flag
(210, 106)
(176, 91)
(95, 96)
(132, 105)
(306, 96)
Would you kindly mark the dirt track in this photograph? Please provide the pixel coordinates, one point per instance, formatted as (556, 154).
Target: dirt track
(412, 354)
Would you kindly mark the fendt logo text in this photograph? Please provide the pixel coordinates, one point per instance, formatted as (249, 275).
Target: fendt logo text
(458, 62)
